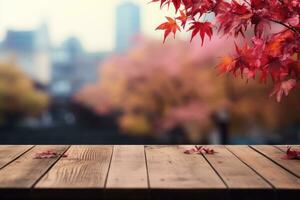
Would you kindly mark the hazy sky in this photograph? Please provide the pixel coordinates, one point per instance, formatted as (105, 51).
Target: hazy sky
(93, 21)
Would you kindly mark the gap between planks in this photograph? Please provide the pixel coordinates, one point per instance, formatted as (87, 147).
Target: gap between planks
(25, 170)
(235, 173)
(273, 173)
(109, 166)
(175, 155)
(50, 167)
(275, 155)
(10, 153)
(86, 166)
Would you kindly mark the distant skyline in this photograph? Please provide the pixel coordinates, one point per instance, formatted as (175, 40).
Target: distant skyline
(128, 23)
(92, 21)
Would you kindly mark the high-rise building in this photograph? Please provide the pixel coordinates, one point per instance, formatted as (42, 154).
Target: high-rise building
(127, 25)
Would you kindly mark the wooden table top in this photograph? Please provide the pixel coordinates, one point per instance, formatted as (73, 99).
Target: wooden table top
(147, 172)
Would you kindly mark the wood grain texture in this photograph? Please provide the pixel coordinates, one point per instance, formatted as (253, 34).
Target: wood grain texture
(151, 172)
(235, 173)
(84, 167)
(276, 156)
(9, 153)
(170, 168)
(26, 170)
(276, 175)
(128, 168)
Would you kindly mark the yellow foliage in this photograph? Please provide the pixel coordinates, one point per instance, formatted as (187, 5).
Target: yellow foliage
(135, 124)
(17, 93)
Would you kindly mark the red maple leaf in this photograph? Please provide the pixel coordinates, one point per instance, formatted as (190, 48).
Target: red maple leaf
(183, 18)
(48, 154)
(203, 28)
(234, 18)
(162, 2)
(226, 65)
(176, 4)
(199, 150)
(283, 88)
(257, 4)
(292, 154)
(168, 27)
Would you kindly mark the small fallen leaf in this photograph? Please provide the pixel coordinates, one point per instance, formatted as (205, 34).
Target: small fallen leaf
(292, 154)
(199, 150)
(48, 154)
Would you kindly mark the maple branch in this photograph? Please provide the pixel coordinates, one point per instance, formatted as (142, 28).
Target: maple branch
(213, 9)
(247, 2)
(235, 16)
(285, 25)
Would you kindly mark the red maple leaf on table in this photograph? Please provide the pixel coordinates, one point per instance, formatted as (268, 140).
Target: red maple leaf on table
(199, 150)
(292, 154)
(48, 154)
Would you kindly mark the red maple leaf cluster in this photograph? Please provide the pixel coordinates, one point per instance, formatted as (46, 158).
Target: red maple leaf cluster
(48, 154)
(269, 55)
(199, 150)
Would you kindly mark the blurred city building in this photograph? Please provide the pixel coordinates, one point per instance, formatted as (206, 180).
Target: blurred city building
(61, 71)
(73, 67)
(30, 49)
(127, 25)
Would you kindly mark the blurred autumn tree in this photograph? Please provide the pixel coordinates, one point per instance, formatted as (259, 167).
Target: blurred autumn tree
(18, 97)
(156, 88)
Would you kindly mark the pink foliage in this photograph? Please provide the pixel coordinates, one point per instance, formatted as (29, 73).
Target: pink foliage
(197, 112)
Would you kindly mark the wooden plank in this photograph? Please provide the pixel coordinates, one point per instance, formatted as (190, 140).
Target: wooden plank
(8, 153)
(121, 171)
(175, 175)
(26, 170)
(128, 168)
(170, 168)
(84, 167)
(235, 173)
(277, 176)
(276, 156)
